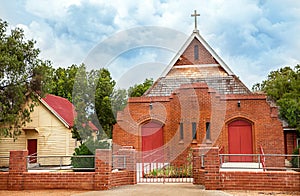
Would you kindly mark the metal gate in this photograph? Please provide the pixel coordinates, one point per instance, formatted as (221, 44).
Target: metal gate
(164, 173)
(159, 171)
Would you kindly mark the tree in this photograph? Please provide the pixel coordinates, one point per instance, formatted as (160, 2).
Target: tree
(81, 101)
(118, 100)
(21, 79)
(63, 81)
(139, 89)
(283, 87)
(104, 89)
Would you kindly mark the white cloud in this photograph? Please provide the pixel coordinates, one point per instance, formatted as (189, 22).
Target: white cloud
(48, 8)
(253, 37)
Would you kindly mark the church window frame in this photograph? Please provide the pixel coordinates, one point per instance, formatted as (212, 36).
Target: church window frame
(207, 131)
(194, 130)
(196, 52)
(181, 135)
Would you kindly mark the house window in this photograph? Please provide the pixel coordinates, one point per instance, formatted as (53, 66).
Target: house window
(298, 142)
(196, 52)
(181, 131)
(207, 125)
(194, 133)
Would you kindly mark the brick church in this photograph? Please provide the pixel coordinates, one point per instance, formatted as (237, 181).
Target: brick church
(198, 101)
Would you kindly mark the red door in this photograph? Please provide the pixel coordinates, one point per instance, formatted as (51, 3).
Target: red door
(152, 142)
(32, 149)
(240, 141)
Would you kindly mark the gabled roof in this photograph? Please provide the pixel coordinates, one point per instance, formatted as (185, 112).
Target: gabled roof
(196, 35)
(184, 68)
(62, 109)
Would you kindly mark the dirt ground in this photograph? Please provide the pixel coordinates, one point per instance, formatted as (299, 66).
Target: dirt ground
(262, 193)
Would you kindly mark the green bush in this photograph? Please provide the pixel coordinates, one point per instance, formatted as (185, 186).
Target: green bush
(87, 148)
(295, 159)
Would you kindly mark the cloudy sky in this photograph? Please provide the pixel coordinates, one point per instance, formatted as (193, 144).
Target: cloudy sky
(252, 36)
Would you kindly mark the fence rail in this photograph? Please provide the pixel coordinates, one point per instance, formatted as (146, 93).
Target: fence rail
(164, 172)
(4, 163)
(119, 161)
(65, 162)
(265, 161)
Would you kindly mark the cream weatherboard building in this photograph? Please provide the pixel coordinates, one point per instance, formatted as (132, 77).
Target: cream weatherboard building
(48, 134)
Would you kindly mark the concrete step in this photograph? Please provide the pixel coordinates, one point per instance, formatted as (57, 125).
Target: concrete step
(241, 166)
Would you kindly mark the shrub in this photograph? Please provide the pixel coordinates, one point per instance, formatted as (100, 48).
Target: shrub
(87, 148)
(295, 159)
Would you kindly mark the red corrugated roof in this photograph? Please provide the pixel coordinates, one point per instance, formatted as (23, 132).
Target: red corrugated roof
(64, 108)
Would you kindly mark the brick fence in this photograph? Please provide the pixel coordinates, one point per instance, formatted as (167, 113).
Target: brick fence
(213, 179)
(102, 179)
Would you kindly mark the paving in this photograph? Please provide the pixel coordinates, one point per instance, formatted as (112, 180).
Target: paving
(160, 189)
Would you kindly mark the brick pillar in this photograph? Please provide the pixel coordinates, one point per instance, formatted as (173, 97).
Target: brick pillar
(212, 167)
(17, 165)
(130, 162)
(103, 167)
(198, 170)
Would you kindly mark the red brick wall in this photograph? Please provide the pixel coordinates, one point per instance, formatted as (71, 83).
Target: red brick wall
(273, 181)
(103, 178)
(3, 180)
(266, 129)
(59, 180)
(72, 180)
(120, 178)
(198, 103)
(17, 165)
(187, 58)
(239, 180)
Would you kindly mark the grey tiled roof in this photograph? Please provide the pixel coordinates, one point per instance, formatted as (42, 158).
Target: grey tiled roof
(164, 86)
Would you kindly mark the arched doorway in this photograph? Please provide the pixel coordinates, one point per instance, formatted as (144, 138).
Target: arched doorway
(152, 141)
(240, 140)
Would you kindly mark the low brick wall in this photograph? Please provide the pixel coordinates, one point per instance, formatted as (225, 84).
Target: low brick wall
(211, 177)
(59, 180)
(120, 178)
(102, 179)
(3, 180)
(273, 181)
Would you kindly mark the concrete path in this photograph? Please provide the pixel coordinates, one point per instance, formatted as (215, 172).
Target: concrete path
(156, 189)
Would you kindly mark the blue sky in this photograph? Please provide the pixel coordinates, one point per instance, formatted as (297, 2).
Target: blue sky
(253, 37)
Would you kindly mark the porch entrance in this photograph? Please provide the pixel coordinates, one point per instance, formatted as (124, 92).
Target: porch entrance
(32, 149)
(240, 141)
(152, 142)
(154, 166)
